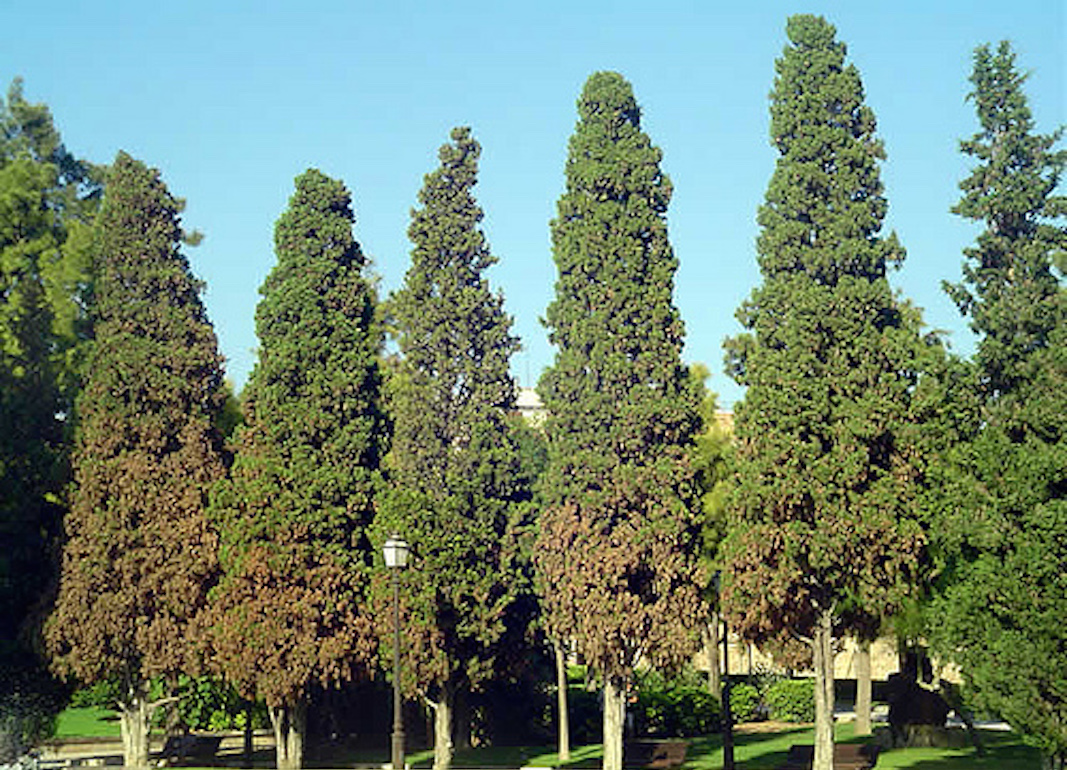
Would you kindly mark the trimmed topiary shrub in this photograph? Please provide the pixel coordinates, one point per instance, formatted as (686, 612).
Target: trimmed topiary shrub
(792, 700)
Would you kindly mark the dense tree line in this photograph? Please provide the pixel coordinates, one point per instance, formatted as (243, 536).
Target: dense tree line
(871, 470)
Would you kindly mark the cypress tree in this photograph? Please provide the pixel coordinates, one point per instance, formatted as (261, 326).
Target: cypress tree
(140, 555)
(618, 539)
(289, 609)
(454, 466)
(823, 522)
(1003, 537)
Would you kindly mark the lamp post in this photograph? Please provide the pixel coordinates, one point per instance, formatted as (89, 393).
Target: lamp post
(396, 558)
(727, 717)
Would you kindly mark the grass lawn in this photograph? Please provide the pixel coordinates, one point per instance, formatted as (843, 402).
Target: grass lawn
(753, 750)
(765, 751)
(87, 723)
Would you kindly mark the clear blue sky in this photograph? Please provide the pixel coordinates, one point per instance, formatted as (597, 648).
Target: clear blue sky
(231, 100)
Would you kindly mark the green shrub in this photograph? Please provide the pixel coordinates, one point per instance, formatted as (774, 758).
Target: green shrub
(668, 708)
(745, 705)
(102, 694)
(792, 700)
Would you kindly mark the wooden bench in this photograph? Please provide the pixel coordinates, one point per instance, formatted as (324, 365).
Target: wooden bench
(183, 747)
(847, 756)
(654, 754)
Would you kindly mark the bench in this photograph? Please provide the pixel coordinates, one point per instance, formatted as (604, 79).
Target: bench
(654, 754)
(183, 747)
(847, 756)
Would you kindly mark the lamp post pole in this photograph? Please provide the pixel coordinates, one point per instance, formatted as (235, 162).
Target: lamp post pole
(398, 717)
(727, 717)
(724, 690)
(396, 558)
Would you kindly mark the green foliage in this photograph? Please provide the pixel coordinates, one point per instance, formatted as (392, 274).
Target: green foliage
(679, 707)
(745, 703)
(1002, 534)
(139, 555)
(103, 693)
(289, 610)
(455, 468)
(616, 549)
(791, 700)
(47, 198)
(712, 458)
(828, 460)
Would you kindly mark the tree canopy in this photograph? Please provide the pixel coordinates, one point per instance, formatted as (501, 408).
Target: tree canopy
(289, 609)
(1002, 538)
(618, 537)
(47, 198)
(454, 465)
(139, 556)
(823, 521)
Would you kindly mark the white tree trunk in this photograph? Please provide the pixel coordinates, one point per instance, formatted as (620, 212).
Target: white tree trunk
(863, 688)
(442, 729)
(133, 721)
(614, 721)
(823, 653)
(289, 724)
(563, 718)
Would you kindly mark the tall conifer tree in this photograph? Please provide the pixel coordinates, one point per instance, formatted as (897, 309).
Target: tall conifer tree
(617, 547)
(1004, 536)
(289, 610)
(822, 520)
(455, 470)
(140, 555)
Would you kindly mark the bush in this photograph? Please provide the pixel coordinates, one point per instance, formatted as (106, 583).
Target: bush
(792, 700)
(669, 708)
(745, 705)
(102, 694)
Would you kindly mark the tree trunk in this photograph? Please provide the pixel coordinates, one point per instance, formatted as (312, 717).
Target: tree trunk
(442, 728)
(289, 724)
(614, 721)
(711, 645)
(563, 718)
(246, 754)
(133, 720)
(863, 687)
(823, 654)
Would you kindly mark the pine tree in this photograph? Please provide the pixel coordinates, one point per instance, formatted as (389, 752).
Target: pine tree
(1004, 533)
(618, 539)
(140, 555)
(455, 468)
(289, 610)
(822, 516)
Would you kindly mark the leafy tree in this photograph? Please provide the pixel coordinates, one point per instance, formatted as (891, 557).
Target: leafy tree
(712, 451)
(139, 554)
(1003, 536)
(289, 612)
(46, 201)
(823, 514)
(455, 467)
(618, 539)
